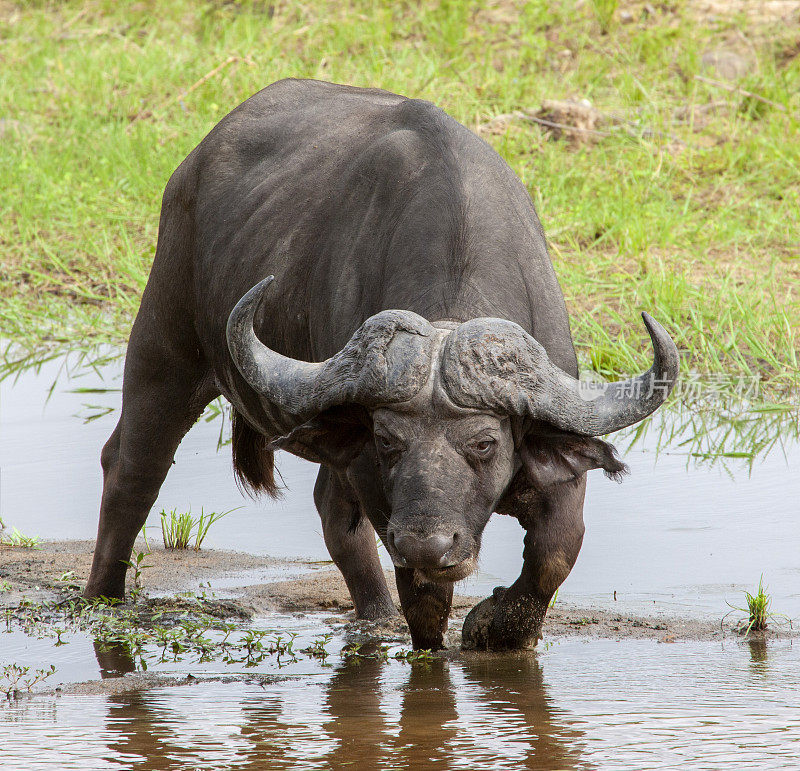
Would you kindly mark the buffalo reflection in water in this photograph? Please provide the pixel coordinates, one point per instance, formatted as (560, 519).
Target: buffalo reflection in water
(474, 711)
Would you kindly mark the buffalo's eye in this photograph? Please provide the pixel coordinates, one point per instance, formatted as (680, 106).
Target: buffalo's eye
(483, 448)
(384, 442)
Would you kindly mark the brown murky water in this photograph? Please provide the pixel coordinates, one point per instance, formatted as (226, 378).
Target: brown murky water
(577, 704)
(675, 537)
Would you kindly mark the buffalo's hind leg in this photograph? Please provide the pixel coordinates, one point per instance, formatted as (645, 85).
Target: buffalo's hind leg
(350, 540)
(163, 394)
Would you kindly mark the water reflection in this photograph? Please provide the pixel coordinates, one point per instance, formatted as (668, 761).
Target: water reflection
(710, 418)
(578, 704)
(113, 659)
(514, 687)
(362, 730)
(370, 714)
(724, 430)
(758, 652)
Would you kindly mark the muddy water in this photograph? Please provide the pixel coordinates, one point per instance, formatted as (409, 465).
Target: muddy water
(575, 705)
(676, 537)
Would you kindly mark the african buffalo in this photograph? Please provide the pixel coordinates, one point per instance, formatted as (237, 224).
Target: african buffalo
(414, 342)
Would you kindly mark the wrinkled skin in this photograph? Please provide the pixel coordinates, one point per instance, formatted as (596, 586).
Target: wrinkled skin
(357, 201)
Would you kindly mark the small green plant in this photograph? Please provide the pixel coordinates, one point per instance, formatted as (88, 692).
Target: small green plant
(758, 607)
(14, 677)
(4, 586)
(66, 577)
(204, 523)
(757, 610)
(604, 13)
(423, 656)
(138, 567)
(351, 651)
(177, 529)
(317, 648)
(17, 539)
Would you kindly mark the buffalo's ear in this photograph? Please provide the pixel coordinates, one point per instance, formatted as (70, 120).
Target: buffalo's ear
(333, 438)
(550, 458)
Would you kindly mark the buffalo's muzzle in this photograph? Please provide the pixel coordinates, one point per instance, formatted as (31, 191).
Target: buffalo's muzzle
(414, 551)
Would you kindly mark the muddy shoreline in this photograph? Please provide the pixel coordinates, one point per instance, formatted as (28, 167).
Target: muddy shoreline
(245, 586)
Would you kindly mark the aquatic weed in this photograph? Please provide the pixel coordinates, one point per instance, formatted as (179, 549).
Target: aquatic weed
(758, 607)
(411, 656)
(204, 523)
(351, 651)
(176, 529)
(151, 634)
(317, 648)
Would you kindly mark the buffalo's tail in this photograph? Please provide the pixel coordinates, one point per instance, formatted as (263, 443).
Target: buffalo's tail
(253, 462)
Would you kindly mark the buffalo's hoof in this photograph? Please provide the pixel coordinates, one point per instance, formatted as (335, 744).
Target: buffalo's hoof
(475, 634)
(493, 625)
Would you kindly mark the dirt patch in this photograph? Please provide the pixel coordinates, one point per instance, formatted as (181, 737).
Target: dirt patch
(65, 565)
(756, 11)
(323, 590)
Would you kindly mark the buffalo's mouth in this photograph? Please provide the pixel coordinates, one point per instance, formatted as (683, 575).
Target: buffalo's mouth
(450, 573)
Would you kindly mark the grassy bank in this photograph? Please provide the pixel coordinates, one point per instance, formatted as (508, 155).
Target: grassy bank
(680, 194)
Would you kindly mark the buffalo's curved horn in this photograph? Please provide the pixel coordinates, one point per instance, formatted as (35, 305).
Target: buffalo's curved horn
(386, 360)
(495, 364)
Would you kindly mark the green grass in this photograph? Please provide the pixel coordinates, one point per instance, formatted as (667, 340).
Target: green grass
(688, 208)
(758, 607)
(18, 540)
(604, 13)
(177, 529)
(758, 611)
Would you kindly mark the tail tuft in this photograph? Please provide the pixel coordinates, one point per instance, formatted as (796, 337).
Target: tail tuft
(253, 463)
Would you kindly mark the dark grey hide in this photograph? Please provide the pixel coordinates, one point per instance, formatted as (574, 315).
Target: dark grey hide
(414, 342)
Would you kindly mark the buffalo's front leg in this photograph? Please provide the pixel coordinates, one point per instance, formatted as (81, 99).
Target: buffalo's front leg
(426, 606)
(512, 618)
(350, 540)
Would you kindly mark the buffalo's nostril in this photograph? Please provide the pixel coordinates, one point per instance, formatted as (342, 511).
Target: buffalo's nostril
(429, 551)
